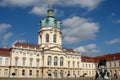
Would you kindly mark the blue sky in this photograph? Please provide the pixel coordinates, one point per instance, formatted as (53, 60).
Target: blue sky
(91, 27)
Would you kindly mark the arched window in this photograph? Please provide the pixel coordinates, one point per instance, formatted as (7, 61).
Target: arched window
(16, 61)
(37, 62)
(24, 61)
(55, 61)
(31, 61)
(61, 73)
(55, 74)
(54, 38)
(61, 61)
(49, 60)
(47, 37)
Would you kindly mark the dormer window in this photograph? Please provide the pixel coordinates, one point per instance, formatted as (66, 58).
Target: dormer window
(47, 20)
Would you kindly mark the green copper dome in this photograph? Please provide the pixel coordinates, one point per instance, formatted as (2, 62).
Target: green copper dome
(50, 20)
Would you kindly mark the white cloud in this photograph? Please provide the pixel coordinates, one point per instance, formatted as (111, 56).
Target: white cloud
(78, 29)
(5, 38)
(39, 6)
(5, 34)
(113, 41)
(88, 49)
(4, 27)
(19, 3)
(38, 10)
(117, 21)
(16, 41)
(90, 4)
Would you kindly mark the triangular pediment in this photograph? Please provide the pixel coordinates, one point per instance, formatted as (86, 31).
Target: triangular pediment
(55, 49)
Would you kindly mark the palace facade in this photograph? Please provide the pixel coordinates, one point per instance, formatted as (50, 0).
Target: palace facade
(48, 58)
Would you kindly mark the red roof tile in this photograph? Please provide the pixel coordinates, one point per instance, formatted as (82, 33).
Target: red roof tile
(70, 50)
(4, 52)
(25, 45)
(87, 59)
(108, 57)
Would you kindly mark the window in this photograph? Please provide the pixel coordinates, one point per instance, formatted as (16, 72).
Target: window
(110, 64)
(6, 73)
(73, 64)
(114, 63)
(30, 72)
(16, 53)
(73, 73)
(61, 73)
(86, 65)
(61, 61)
(16, 61)
(37, 73)
(55, 61)
(54, 38)
(55, 74)
(110, 72)
(47, 37)
(15, 71)
(78, 73)
(6, 61)
(49, 60)
(89, 72)
(78, 64)
(83, 65)
(0, 60)
(89, 65)
(92, 72)
(68, 64)
(49, 73)
(24, 61)
(37, 62)
(68, 73)
(24, 53)
(31, 61)
(31, 54)
(92, 66)
(23, 72)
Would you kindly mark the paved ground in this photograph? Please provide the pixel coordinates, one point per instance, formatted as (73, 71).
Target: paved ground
(53, 79)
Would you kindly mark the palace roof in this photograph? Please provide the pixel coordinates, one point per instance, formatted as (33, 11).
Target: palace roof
(70, 50)
(26, 45)
(4, 52)
(108, 57)
(87, 59)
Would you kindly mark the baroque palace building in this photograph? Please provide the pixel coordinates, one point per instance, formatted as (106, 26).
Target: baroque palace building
(48, 58)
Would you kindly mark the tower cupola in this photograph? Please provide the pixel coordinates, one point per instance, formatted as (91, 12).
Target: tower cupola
(49, 33)
(50, 20)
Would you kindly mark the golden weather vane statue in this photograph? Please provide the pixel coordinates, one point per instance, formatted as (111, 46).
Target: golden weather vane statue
(51, 3)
